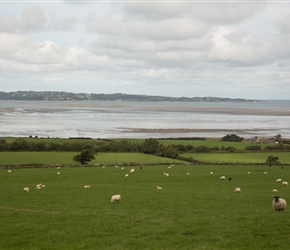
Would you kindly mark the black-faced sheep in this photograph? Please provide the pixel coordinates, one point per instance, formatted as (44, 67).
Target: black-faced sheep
(279, 204)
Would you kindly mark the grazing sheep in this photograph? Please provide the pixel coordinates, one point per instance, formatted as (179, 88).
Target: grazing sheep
(159, 188)
(211, 172)
(26, 189)
(222, 178)
(248, 172)
(103, 166)
(237, 190)
(188, 173)
(39, 186)
(126, 175)
(123, 168)
(132, 171)
(279, 180)
(87, 186)
(115, 198)
(58, 168)
(279, 204)
(274, 190)
(285, 183)
(265, 172)
(166, 174)
(58, 173)
(9, 171)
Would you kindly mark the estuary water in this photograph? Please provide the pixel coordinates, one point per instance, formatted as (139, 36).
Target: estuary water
(120, 119)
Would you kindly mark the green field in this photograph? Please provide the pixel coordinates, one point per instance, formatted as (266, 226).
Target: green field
(21, 158)
(196, 211)
(257, 157)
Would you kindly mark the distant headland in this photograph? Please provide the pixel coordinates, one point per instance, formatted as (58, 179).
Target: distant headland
(68, 96)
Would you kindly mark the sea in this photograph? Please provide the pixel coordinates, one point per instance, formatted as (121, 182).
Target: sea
(126, 119)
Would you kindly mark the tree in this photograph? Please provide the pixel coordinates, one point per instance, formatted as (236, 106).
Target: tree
(272, 160)
(232, 137)
(150, 146)
(85, 156)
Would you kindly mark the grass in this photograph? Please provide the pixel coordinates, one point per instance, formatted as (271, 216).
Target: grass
(196, 211)
(256, 157)
(20, 158)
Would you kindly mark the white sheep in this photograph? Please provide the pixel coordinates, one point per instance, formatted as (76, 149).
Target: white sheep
(39, 186)
(274, 190)
(115, 198)
(132, 170)
(188, 173)
(87, 186)
(285, 183)
(279, 204)
(9, 171)
(123, 168)
(265, 172)
(279, 180)
(222, 178)
(248, 172)
(237, 190)
(126, 175)
(159, 188)
(58, 173)
(211, 172)
(166, 174)
(26, 189)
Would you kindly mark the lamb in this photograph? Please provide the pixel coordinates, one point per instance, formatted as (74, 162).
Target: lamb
(248, 172)
(237, 190)
(211, 172)
(265, 172)
(26, 189)
(279, 204)
(188, 173)
(159, 188)
(115, 198)
(222, 178)
(58, 173)
(285, 183)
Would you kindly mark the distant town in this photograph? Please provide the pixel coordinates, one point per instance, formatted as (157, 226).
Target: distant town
(68, 96)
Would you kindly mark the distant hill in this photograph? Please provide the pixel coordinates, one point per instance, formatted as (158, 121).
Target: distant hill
(67, 96)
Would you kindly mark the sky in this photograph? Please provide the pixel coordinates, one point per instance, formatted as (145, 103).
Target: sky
(233, 49)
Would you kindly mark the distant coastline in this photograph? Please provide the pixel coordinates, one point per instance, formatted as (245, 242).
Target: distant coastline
(68, 96)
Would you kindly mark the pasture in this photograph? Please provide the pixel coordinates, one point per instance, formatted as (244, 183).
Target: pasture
(22, 158)
(195, 211)
(249, 157)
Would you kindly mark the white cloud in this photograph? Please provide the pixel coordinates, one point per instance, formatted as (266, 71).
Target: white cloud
(180, 48)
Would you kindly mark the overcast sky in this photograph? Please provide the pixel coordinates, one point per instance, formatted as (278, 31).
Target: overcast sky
(236, 49)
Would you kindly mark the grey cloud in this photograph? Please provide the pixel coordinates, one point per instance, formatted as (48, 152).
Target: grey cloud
(33, 19)
(214, 13)
(64, 23)
(8, 24)
(284, 24)
(163, 29)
